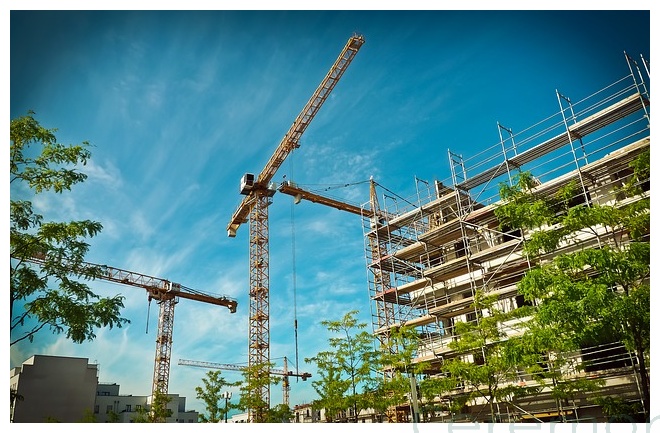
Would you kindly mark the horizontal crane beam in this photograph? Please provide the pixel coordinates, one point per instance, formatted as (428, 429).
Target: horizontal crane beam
(289, 188)
(158, 288)
(235, 367)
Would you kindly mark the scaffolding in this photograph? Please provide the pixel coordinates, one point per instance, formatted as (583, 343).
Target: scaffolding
(428, 255)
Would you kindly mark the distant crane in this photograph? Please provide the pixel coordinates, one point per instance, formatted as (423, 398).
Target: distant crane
(166, 293)
(286, 387)
(254, 206)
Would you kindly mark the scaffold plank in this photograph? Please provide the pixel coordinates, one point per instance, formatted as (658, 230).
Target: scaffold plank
(608, 115)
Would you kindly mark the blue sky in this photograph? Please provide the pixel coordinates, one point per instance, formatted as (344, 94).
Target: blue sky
(179, 105)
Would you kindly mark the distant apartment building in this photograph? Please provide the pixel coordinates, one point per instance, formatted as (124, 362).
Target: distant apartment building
(305, 413)
(66, 389)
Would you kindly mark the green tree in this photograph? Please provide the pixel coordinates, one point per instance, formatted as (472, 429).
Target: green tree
(350, 361)
(331, 387)
(485, 366)
(256, 377)
(544, 355)
(113, 417)
(597, 281)
(279, 414)
(618, 410)
(88, 416)
(395, 378)
(157, 413)
(211, 395)
(69, 306)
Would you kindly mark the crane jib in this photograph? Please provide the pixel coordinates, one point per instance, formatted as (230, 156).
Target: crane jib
(291, 139)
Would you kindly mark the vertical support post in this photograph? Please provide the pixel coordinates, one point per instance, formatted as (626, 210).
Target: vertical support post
(227, 396)
(570, 141)
(259, 333)
(504, 149)
(413, 398)
(163, 346)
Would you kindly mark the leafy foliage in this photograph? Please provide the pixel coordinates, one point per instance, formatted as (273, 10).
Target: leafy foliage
(256, 377)
(597, 281)
(279, 414)
(70, 306)
(347, 368)
(88, 416)
(331, 387)
(394, 385)
(618, 410)
(488, 359)
(158, 412)
(212, 396)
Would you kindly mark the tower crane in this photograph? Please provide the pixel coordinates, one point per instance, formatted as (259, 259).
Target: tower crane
(167, 294)
(286, 387)
(258, 194)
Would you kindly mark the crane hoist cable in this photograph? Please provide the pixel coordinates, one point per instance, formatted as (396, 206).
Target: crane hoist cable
(318, 187)
(293, 280)
(293, 271)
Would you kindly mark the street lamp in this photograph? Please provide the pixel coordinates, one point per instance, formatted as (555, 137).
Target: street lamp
(227, 396)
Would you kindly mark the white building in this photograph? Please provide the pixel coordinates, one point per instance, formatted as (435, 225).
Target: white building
(305, 413)
(65, 389)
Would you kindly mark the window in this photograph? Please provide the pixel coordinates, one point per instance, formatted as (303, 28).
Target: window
(509, 234)
(138, 407)
(461, 247)
(580, 198)
(128, 408)
(108, 408)
(96, 408)
(520, 301)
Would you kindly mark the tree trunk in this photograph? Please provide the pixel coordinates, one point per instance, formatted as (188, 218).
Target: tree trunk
(644, 377)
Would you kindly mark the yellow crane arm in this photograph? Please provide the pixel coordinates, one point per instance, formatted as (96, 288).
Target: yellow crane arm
(298, 193)
(291, 139)
(156, 287)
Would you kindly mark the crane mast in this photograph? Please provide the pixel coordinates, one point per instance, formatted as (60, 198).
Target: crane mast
(285, 373)
(166, 293)
(254, 209)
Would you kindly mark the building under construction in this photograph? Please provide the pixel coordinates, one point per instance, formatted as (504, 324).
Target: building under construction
(428, 255)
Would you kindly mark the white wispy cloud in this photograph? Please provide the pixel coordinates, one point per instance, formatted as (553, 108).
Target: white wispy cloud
(105, 173)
